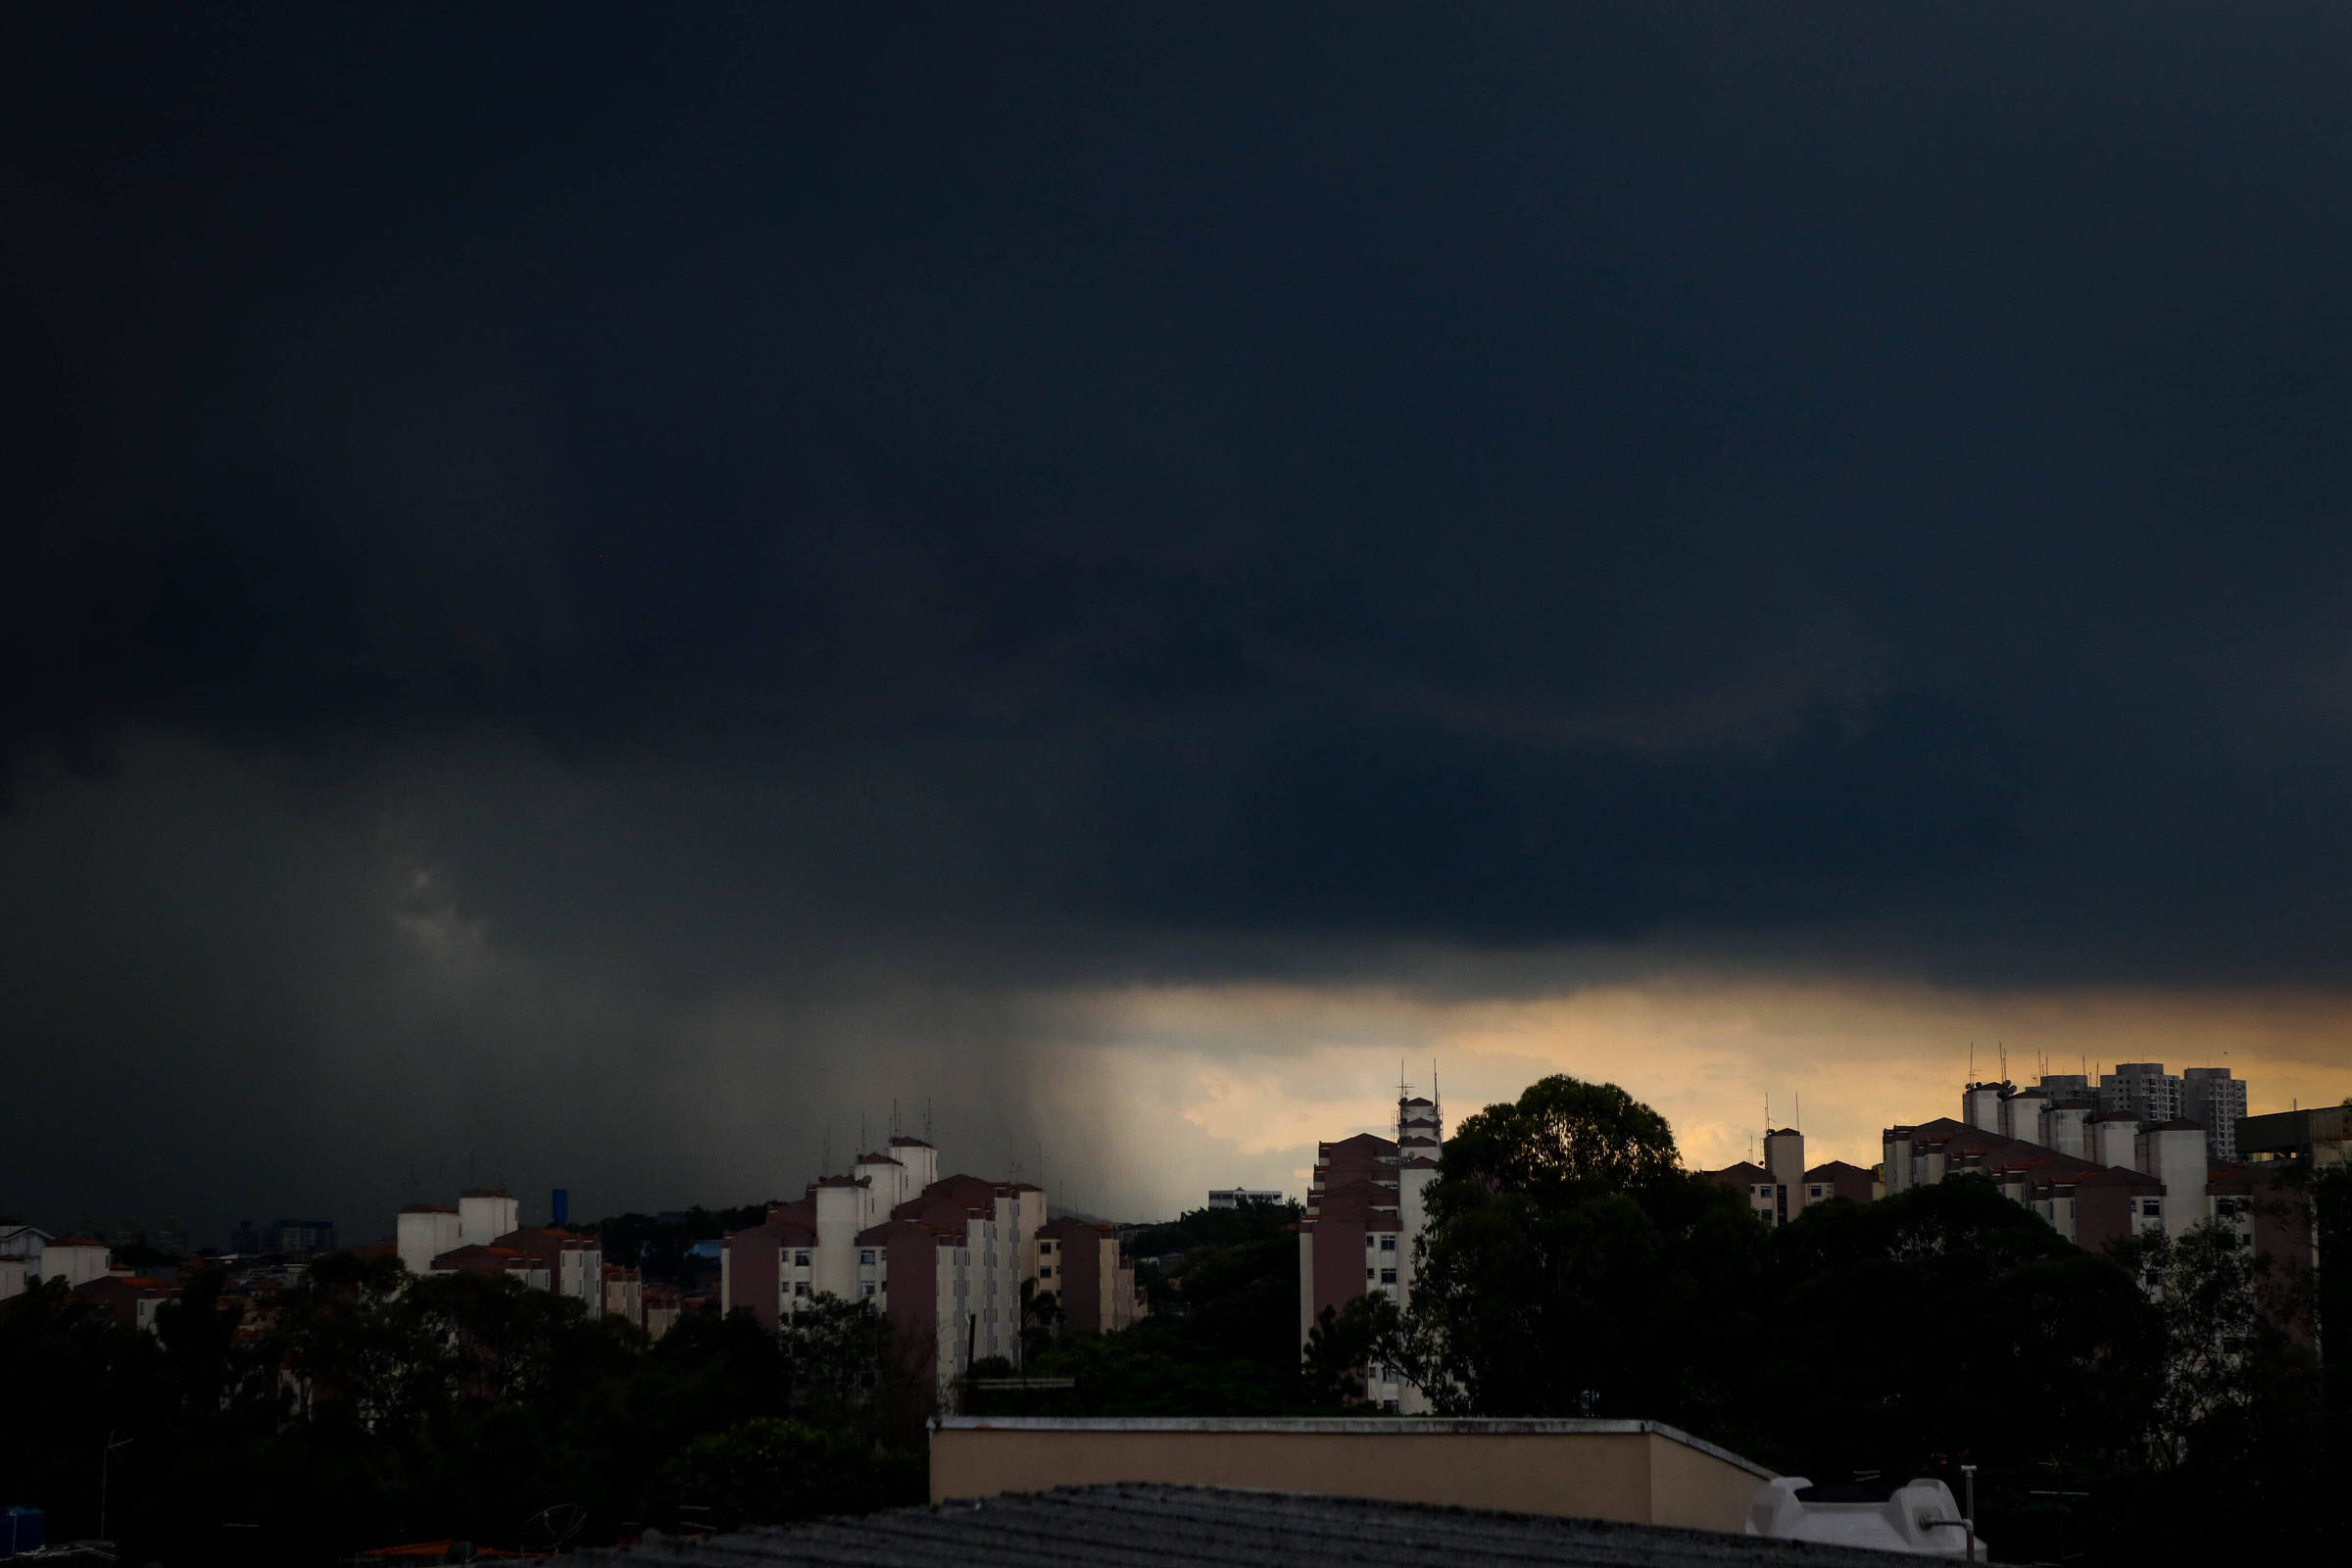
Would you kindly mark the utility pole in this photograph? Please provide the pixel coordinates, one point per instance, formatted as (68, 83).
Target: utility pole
(106, 1463)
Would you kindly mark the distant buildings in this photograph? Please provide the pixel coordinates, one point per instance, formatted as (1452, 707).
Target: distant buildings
(2217, 1103)
(1364, 1210)
(1080, 1263)
(661, 1304)
(1241, 1197)
(2098, 1167)
(945, 1257)
(482, 1236)
(301, 1237)
(1780, 1188)
(625, 1294)
(291, 1238)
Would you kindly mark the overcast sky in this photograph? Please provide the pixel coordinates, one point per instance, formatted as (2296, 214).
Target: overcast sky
(595, 595)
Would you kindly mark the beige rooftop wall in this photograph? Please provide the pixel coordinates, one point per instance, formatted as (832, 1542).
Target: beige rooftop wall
(1639, 1472)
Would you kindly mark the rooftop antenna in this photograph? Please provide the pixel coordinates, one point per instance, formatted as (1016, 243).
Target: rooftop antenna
(861, 1135)
(926, 1118)
(1971, 1061)
(825, 1164)
(894, 1116)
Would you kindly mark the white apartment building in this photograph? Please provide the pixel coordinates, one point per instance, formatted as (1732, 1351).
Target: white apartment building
(483, 1234)
(944, 1256)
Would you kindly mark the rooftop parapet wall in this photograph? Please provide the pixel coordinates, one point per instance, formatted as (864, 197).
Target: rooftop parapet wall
(1639, 1472)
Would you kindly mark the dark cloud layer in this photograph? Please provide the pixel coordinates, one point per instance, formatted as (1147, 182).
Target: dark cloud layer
(750, 503)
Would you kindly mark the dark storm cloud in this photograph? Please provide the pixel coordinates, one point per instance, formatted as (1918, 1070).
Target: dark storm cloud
(755, 503)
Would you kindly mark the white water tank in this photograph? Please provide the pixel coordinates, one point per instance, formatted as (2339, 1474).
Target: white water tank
(1919, 1517)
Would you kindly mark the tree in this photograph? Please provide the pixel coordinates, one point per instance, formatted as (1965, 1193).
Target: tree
(1885, 1334)
(847, 1367)
(1563, 1136)
(1571, 1266)
(1346, 1341)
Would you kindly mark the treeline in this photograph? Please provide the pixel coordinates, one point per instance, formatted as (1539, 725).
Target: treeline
(1572, 1268)
(1223, 1337)
(371, 1408)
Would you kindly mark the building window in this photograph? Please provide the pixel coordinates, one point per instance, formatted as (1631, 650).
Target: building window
(1046, 1273)
(800, 1289)
(1387, 1276)
(866, 1256)
(866, 1289)
(800, 1259)
(1370, 1274)
(2151, 1206)
(1388, 1244)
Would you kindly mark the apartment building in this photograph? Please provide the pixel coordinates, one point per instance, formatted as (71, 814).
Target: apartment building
(1079, 1261)
(2215, 1102)
(2063, 1110)
(483, 1234)
(944, 1256)
(625, 1294)
(1780, 1188)
(2145, 1090)
(1364, 1210)
(2154, 1180)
